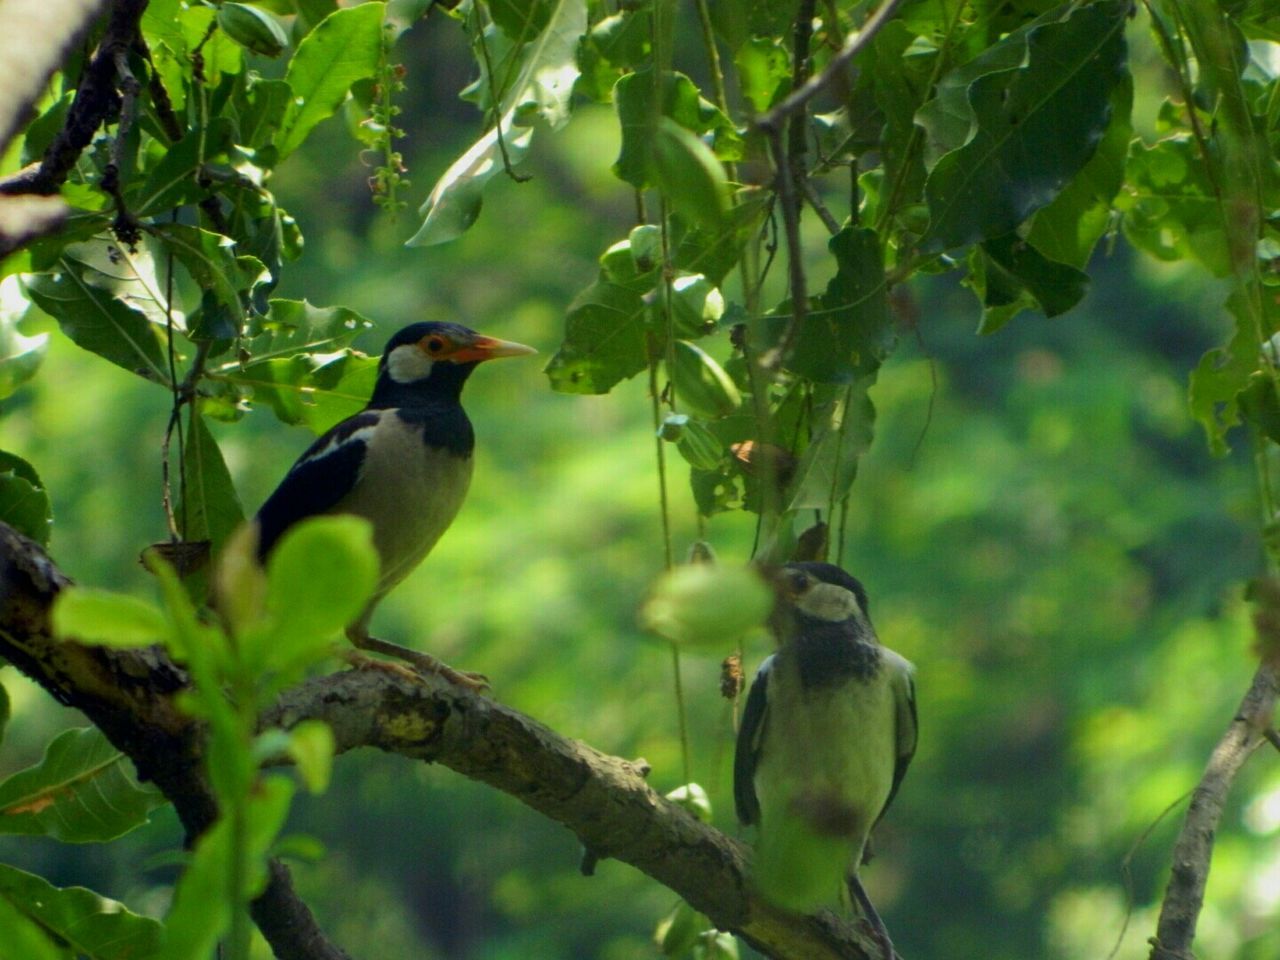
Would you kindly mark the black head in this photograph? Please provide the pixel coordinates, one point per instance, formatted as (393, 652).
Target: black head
(819, 594)
(431, 361)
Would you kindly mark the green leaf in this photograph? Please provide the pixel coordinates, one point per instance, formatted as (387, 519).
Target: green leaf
(4, 711)
(764, 72)
(345, 47)
(1169, 206)
(1012, 275)
(262, 111)
(20, 356)
(319, 579)
(208, 507)
(1031, 112)
(90, 925)
(227, 281)
(82, 791)
(1219, 378)
(24, 939)
(201, 911)
(315, 390)
(311, 746)
(841, 435)
(293, 327)
(849, 332)
(98, 321)
(604, 340)
(174, 181)
(543, 88)
(1069, 228)
(89, 615)
(24, 504)
(639, 113)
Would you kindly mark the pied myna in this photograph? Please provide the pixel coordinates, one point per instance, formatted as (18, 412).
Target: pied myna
(827, 733)
(403, 463)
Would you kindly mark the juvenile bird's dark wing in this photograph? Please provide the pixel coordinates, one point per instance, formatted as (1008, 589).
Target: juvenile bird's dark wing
(747, 753)
(324, 474)
(908, 731)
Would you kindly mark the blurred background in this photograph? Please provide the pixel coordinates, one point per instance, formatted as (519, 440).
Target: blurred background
(1038, 522)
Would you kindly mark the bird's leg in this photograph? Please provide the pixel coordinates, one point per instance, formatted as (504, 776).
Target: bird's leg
(358, 634)
(869, 913)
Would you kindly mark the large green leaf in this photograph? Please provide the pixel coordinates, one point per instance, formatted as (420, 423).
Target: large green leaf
(24, 504)
(345, 47)
(317, 390)
(82, 791)
(95, 319)
(319, 579)
(1220, 377)
(1070, 227)
(1028, 114)
(604, 340)
(208, 508)
(542, 89)
(24, 939)
(86, 924)
(848, 332)
(829, 464)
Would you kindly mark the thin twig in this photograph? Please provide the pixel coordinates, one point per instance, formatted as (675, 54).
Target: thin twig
(814, 199)
(853, 45)
(776, 359)
(1127, 873)
(1193, 852)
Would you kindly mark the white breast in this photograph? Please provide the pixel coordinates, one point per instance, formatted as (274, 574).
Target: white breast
(422, 488)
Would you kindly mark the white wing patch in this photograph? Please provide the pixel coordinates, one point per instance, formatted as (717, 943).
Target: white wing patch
(363, 435)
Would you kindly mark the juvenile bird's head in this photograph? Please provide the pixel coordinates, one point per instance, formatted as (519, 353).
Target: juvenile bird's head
(433, 360)
(819, 595)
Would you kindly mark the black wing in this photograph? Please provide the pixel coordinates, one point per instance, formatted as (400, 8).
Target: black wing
(324, 474)
(747, 753)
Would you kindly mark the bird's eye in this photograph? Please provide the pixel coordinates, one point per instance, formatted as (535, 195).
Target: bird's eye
(797, 582)
(435, 344)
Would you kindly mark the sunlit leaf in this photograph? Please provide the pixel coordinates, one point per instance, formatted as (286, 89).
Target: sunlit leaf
(542, 88)
(226, 281)
(82, 791)
(98, 321)
(689, 175)
(90, 615)
(343, 48)
(319, 578)
(701, 385)
(311, 746)
(91, 926)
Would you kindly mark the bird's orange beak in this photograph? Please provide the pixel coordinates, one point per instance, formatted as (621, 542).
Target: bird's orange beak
(491, 348)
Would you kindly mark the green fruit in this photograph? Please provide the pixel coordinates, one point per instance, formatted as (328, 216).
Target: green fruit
(253, 29)
(707, 607)
(702, 386)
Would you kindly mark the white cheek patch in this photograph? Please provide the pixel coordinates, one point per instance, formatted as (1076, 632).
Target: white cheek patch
(826, 601)
(407, 363)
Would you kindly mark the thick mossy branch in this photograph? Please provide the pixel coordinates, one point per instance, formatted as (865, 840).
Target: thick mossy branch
(604, 800)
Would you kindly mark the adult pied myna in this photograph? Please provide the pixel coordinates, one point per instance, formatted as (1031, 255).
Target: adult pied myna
(403, 463)
(827, 733)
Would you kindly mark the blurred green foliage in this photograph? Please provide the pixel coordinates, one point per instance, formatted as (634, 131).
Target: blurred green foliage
(1039, 524)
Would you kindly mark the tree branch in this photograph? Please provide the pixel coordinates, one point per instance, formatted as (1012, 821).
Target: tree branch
(1193, 852)
(95, 100)
(603, 799)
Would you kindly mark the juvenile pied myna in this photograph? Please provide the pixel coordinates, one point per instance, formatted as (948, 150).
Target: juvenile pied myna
(403, 463)
(827, 733)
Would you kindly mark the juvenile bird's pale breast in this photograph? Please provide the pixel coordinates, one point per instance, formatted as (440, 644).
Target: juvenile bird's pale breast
(830, 753)
(423, 487)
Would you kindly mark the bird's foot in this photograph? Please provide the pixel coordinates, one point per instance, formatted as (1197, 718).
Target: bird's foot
(421, 663)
